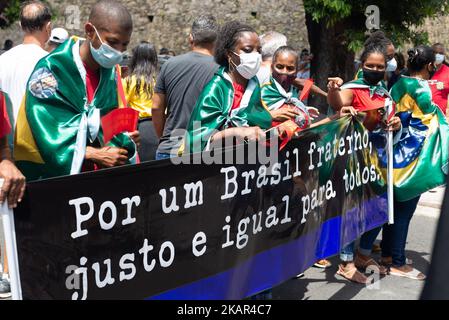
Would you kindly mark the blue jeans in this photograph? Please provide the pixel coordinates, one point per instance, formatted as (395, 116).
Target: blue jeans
(394, 236)
(366, 244)
(162, 156)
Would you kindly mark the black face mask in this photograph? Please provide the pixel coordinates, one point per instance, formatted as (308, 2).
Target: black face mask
(285, 80)
(373, 77)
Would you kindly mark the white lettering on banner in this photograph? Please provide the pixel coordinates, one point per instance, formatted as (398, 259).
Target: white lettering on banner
(230, 180)
(129, 204)
(356, 141)
(173, 206)
(199, 240)
(192, 189)
(357, 179)
(311, 202)
(129, 265)
(126, 264)
(307, 193)
(258, 220)
(83, 216)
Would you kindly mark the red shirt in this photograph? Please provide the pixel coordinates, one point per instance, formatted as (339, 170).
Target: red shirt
(362, 101)
(5, 125)
(440, 87)
(239, 90)
(92, 81)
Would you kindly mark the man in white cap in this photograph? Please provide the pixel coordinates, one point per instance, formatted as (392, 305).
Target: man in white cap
(58, 36)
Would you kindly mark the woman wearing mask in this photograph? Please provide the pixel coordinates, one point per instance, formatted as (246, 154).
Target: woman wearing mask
(439, 84)
(365, 94)
(420, 156)
(280, 89)
(378, 38)
(139, 90)
(230, 105)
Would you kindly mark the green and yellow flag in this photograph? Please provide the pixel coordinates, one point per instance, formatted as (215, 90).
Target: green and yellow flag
(421, 154)
(212, 111)
(56, 122)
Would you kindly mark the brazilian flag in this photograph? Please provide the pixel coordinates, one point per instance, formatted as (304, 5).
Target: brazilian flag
(421, 154)
(56, 122)
(213, 111)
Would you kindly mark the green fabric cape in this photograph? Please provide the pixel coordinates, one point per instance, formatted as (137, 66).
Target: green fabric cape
(56, 120)
(212, 111)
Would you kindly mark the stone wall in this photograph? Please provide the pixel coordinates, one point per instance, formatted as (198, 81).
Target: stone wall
(166, 23)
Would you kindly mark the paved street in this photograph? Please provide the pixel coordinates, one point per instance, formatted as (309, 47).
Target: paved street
(318, 284)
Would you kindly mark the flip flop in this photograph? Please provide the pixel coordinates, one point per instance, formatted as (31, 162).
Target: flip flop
(414, 274)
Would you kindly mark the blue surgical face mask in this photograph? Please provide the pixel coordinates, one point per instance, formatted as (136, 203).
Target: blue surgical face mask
(105, 56)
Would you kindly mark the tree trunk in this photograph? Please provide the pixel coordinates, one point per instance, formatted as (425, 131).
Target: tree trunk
(331, 57)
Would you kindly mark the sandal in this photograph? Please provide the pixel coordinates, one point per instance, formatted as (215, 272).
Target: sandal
(413, 274)
(323, 264)
(352, 274)
(370, 266)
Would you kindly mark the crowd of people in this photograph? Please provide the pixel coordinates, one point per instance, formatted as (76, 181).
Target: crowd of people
(55, 89)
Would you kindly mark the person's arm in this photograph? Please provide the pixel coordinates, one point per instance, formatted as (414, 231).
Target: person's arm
(158, 112)
(13, 186)
(336, 97)
(241, 133)
(299, 83)
(107, 156)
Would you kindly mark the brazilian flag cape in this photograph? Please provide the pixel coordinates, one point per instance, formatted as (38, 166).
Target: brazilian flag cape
(213, 113)
(273, 96)
(55, 121)
(421, 155)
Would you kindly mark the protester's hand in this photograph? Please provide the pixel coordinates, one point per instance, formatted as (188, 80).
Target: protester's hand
(334, 83)
(394, 124)
(313, 112)
(13, 185)
(349, 110)
(284, 114)
(135, 136)
(107, 156)
(249, 133)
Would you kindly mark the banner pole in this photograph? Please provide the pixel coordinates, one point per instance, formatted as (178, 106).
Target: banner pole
(11, 248)
(390, 179)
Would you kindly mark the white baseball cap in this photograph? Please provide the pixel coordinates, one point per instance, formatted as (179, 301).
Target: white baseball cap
(58, 35)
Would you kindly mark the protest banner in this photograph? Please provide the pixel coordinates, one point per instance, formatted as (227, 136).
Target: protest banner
(193, 231)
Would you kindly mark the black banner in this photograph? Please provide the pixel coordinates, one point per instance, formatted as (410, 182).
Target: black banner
(194, 231)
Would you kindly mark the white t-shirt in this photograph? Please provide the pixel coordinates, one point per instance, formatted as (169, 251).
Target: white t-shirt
(16, 66)
(264, 74)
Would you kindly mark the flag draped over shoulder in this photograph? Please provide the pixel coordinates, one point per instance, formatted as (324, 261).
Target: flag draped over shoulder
(421, 154)
(212, 111)
(56, 122)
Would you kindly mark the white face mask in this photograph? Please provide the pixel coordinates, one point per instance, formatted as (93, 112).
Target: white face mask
(249, 64)
(392, 65)
(439, 58)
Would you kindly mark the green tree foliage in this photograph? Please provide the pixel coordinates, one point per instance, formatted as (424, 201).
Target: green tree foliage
(9, 12)
(398, 18)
